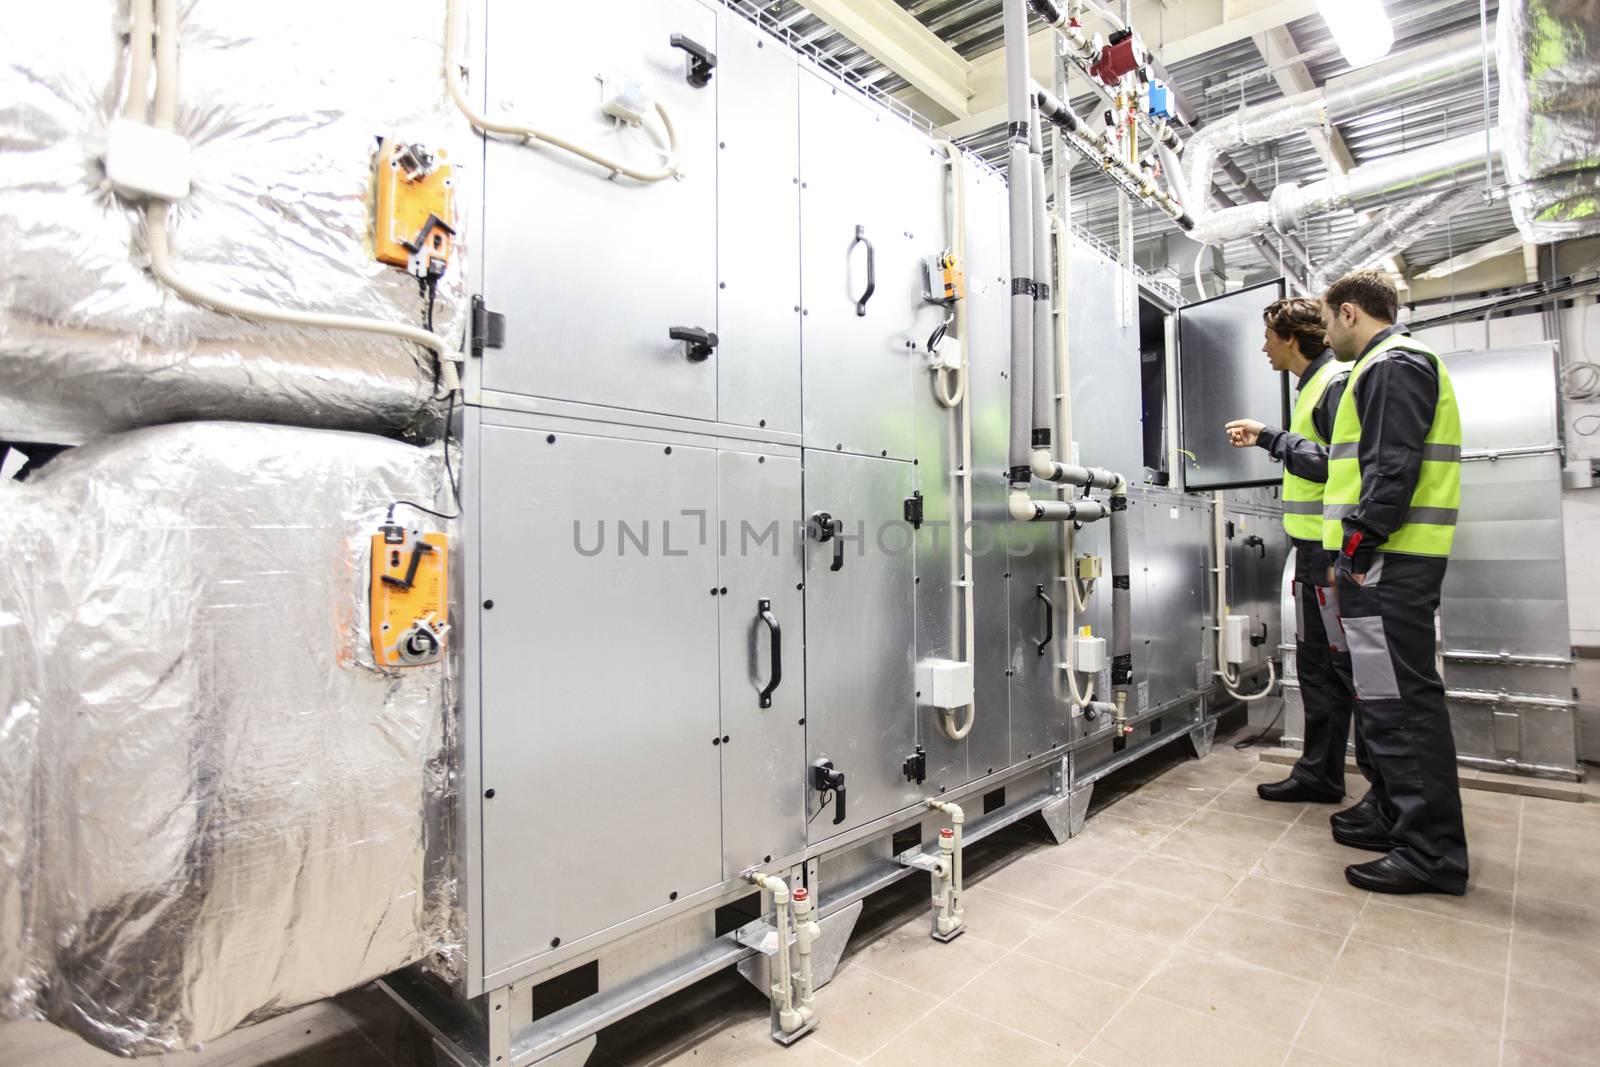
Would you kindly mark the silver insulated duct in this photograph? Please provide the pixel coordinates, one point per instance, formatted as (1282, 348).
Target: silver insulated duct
(1549, 59)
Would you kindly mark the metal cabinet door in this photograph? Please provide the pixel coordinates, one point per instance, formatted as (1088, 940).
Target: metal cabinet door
(860, 712)
(599, 684)
(1040, 705)
(762, 561)
(758, 230)
(857, 369)
(1222, 375)
(592, 272)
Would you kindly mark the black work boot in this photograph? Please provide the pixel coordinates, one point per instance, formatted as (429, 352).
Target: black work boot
(1362, 813)
(1293, 790)
(1384, 875)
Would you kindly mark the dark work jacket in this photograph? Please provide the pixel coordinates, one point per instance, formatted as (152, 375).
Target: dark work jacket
(1396, 397)
(1309, 460)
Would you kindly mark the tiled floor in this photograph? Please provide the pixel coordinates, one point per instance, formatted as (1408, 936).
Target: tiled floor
(1191, 923)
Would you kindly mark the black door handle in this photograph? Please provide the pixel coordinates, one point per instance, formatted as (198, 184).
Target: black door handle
(698, 344)
(702, 61)
(824, 528)
(872, 270)
(1049, 620)
(824, 779)
(1258, 543)
(764, 607)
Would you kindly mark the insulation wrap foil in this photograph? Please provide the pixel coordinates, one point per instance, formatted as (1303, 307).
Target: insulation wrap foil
(1549, 61)
(213, 806)
(282, 105)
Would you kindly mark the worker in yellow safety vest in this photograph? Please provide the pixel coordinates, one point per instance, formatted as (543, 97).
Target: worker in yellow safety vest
(1389, 515)
(1295, 343)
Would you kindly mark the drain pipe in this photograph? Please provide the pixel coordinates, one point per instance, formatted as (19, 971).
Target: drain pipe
(806, 932)
(782, 978)
(950, 916)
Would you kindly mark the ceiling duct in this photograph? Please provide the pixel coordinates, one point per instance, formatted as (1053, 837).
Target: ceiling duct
(1549, 59)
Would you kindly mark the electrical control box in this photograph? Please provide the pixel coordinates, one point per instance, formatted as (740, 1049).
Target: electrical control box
(414, 217)
(1089, 653)
(1236, 638)
(1088, 567)
(945, 683)
(1160, 99)
(407, 594)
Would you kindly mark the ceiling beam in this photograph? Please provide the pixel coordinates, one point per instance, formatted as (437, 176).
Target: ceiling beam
(891, 35)
(1472, 257)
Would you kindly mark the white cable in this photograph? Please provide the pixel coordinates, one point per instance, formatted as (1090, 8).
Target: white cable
(1198, 284)
(453, 67)
(157, 237)
(136, 106)
(1272, 680)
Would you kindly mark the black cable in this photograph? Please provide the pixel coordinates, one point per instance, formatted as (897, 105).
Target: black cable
(455, 488)
(1251, 742)
(825, 802)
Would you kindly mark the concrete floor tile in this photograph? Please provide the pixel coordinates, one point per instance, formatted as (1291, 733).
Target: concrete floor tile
(1557, 919)
(1361, 1030)
(1489, 907)
(1563, 882)
(1151, 1032)
(1574, 852)
(750, 1042)
(1467, 944)
(1132, 834)
(1186, 795)
(1046, 1002)
(1311, 870)
(1147, 911)
(1172, 875)
(1141, 808)
(1538, 809)
(909, 956)
(1569, 964)
(1251, 997)
(1461, 995)
(1549, 1027)
(1244, 827)
(1263, 942)
(1098, 950)
(1327, 912)
(1040, 883)
(1234, 855)
(861, 1011)
(1002, 920)
(1091, 854)
(1241, 799)
(1316, 839)
(1303, 1057)
(960, 1037)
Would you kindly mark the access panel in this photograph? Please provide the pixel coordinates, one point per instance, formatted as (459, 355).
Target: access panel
(599, 676)
(1223, 375)
(593, 273)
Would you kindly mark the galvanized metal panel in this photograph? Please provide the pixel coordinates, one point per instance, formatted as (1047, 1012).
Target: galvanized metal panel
(762, 559)
(857, 368)
(1222, 376)
(1174, 564)
(758, 229)
(1040, 704)
(599, 684)
(1104, 350)
(587, 317)
(860, 712)
(1508, 397)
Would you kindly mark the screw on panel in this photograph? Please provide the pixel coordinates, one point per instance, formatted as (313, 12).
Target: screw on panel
(885, 452)
(761, 459)
(669, 450)
(802, 722)
(488, 794)
(722, 285)
(716, 740)
(672, 895)
(550, 440)
(766, 859)
(487, 604)
(799, 585)
(725, 738)
(723, 591)
(555, 942)
(763, 422)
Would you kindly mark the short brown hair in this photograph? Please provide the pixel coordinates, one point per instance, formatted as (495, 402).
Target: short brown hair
(1369, 290)
(1300, 320)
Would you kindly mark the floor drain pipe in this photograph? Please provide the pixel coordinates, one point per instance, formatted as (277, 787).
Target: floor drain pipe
(806, 932)
(949, 914)
(1121, 607)
(782, 975)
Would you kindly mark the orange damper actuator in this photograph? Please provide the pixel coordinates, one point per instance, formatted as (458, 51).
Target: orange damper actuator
(415, 208)
(408, 593)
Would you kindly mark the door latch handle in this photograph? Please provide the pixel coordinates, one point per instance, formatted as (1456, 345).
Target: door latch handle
(824, 779)
(702, 61)
(698, 344)
(1049, 620)
(824, 528)
(872, 269)
(764, 610)
(1256, 542)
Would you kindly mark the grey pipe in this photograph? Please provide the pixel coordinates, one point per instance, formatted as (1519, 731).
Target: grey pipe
(1019, 180)
(1043, 329)
(1084, 510)
(1085, 477)
(1121, 600)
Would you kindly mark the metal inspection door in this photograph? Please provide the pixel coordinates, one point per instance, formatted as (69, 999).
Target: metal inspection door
(762, 621)
(593, 272)
(599, 682)
(1224, 375)
(860, 708)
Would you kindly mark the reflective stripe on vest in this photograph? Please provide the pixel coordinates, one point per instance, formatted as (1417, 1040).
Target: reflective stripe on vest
(1430, 526)
(1302, 498)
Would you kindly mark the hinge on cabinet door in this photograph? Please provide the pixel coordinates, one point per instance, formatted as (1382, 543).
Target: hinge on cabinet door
(914, 509)
(488, 327)
(915, 767)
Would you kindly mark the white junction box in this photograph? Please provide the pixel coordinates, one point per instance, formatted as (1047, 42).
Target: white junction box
(1089, 654)
(1236, 638)
(143, 162)
(945, 683)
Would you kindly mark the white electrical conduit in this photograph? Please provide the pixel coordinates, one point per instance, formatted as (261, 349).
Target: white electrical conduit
(136, 107)
(157, 217)
(1077, 600)
(1199, 286)
(454, 64)
(1226, 672)
(958, 240)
